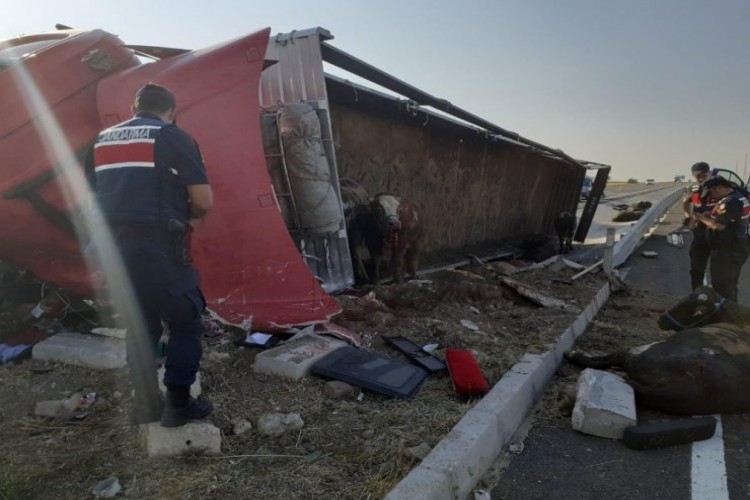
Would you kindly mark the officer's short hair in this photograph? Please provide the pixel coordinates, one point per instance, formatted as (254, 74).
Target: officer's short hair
(716, 180)
(700, 168)
(154, 98)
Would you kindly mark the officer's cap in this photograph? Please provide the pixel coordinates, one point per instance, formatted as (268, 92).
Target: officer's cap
(700, 168)
(154, 97)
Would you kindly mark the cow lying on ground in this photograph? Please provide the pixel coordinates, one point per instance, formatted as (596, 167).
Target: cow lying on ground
(565, 225)
(393, 229)
(702, 369)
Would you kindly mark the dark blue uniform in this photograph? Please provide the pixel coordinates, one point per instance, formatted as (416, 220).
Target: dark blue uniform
(139, 171)
(729, 247)
(700, 250)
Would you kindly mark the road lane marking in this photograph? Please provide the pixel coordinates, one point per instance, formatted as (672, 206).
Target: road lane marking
(708, 471)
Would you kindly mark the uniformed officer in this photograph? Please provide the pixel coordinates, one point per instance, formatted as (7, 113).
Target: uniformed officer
(149, 181)
(727, 234)
(693, 203)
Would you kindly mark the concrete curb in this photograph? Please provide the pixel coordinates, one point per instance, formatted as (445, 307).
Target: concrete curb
(462, 457)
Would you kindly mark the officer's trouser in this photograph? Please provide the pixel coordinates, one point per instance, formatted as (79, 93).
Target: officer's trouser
(699, 254)
(726, 265)
(164, 290)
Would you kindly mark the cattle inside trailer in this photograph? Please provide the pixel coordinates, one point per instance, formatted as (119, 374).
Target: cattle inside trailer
(478, 183)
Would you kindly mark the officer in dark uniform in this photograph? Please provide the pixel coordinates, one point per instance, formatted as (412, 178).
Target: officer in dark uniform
(727, 234)
(149, 181)
(693, 203)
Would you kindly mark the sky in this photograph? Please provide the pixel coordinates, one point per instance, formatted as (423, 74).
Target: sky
(648, 87)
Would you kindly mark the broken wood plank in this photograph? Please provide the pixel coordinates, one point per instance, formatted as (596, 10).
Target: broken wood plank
(540, 265)
(587, 270)
(536, 296)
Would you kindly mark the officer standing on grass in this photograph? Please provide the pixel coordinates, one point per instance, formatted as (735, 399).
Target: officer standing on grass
(695, 204)
(727, 234)
(149, 182)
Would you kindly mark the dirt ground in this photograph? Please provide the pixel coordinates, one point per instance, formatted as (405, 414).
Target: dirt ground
(349, 447)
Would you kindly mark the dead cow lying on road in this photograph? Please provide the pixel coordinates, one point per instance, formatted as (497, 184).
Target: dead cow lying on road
(393, 230)
(703, 369)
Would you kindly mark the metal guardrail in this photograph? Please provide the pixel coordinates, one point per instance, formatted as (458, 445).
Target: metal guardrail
(632, 239)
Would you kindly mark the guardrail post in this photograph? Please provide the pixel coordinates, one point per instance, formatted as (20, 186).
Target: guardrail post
(609, 248)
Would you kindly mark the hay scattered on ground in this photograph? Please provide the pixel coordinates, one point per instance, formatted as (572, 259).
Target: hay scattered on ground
(347, 448)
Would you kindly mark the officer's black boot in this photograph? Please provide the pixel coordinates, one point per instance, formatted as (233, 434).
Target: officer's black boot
(181, 408)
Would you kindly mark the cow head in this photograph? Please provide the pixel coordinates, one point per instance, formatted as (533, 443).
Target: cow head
(698, 308)
(385, 208)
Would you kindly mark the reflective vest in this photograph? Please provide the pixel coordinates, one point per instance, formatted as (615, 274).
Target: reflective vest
(131, 188)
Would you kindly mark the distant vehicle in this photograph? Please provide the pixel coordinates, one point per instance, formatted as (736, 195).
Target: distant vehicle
(588, 183)
(679, 178)
(649, 182)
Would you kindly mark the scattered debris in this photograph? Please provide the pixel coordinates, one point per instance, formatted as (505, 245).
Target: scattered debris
(588, 270)
(64, 408)
(430, 347)
(240, 425)
(482, 495)
(107, 488)
(675, 240)
(466, 323)
(371, 371)
(216, 357)
(416, 354)
(467, 377)
(276, 424)
(420, 451)
(114, 333)
(516, 448)
(336, 389)
(536, 296)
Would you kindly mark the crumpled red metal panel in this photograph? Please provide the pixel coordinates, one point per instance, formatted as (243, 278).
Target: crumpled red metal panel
(253, 275)
(34, 231)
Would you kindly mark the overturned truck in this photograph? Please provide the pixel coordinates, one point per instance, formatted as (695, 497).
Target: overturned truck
(277, 133)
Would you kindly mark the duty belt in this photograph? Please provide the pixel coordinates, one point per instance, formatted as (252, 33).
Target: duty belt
(133, 232)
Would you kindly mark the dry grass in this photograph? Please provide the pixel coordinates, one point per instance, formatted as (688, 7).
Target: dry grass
(348, 449)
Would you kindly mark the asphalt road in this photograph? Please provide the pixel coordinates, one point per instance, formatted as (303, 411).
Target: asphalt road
(560, 463)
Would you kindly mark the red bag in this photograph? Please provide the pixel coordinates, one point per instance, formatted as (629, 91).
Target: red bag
(467, 377)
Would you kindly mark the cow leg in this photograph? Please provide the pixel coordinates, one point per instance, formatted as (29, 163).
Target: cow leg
(397, 263)
(413, 260)
(606, 361)
(375, 275)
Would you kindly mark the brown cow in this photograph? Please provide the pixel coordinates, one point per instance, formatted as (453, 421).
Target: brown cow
(394, 229)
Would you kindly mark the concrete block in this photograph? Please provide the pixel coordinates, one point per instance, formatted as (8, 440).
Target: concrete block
(467, 451)
(195, 389)
(93, 351)
(605, 405)
(294, 358)
(194, 437)
(422, 483)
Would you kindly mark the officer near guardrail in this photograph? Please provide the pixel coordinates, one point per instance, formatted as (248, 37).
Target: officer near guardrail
(149, 181)
(693, 203)
(727, 234)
